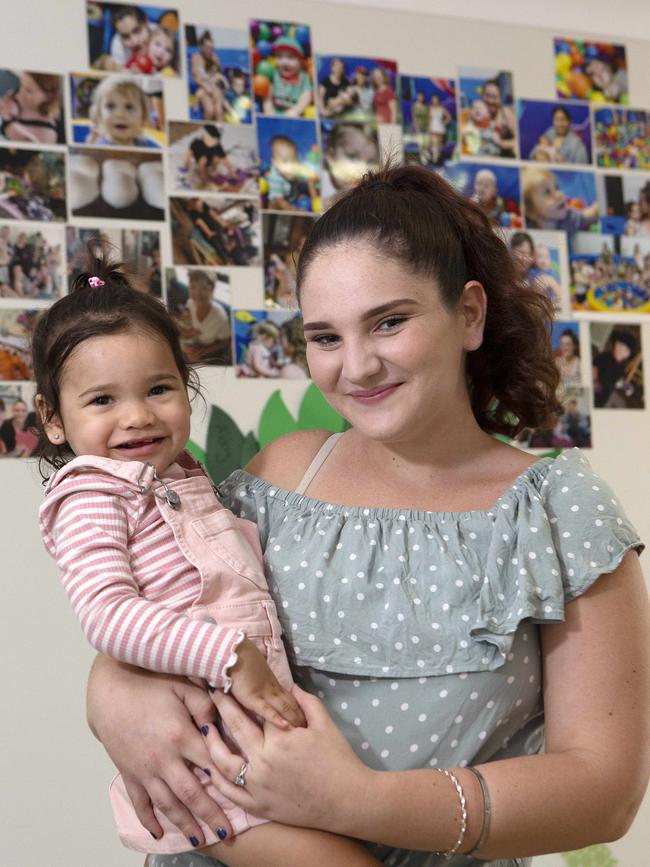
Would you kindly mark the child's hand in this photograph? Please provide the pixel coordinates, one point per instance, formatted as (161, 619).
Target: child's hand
(256, 688)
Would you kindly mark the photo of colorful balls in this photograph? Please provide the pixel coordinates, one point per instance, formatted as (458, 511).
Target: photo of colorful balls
(282, 63)
(621, 138)
(592, 71)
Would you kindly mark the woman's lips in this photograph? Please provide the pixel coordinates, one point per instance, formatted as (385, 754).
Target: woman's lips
(375, 395)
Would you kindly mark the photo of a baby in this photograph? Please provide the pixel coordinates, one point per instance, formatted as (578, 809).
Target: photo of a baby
(118, 110)
(487, 119)
(591, 71)
(218, 74)
(283, 82)
(290, 164)
(551, 132)
(270, 344)
(213, 157)
(350, 149)
(494, 188)
(31, 107)
(559, 199)
(541, 262)
(140, 39)
(199, 300)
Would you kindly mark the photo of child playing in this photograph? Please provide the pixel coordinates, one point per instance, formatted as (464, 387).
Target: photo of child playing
(610, 274)
(593, 71)
(554, 133)
(213, 157)
(282, 64)
(199, 301)
(31, 107)
(122, 110)
(290, 164)
(282, 238)
(218, 79)
(215, 231)
(32, 185)
(428, 119)
(31, 262)
(617, 366)
(624, 201)
(487, 120)
(494, 188)
(350, 149)
(270, 344)
(559, 199)
(141, 39)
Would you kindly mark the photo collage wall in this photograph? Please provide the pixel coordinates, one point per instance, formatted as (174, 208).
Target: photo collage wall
(273, 131)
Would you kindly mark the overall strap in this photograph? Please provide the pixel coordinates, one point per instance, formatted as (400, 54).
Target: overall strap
(321, 456)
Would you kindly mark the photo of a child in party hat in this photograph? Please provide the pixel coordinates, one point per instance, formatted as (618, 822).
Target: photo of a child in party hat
(283, 75)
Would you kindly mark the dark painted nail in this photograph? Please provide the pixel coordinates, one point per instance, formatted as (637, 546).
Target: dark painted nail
(207, 771)
(153, 835)
(212, 688)
(222, 833)
(204, 731)
(194, 842)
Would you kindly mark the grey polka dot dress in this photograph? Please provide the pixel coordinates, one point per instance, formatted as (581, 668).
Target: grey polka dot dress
(419, 629)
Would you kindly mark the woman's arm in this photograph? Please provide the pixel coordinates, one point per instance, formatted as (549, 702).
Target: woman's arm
(586, 789)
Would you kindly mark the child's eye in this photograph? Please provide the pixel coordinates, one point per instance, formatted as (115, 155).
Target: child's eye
(159, 389)
(101, 400)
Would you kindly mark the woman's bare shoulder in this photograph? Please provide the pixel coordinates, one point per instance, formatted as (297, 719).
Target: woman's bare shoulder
(284, 461)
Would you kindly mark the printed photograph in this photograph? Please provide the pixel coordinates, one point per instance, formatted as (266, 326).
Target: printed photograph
(199, 301)
(565, 340)
(350, 149)
(617, 366)
(429, 127)
(119, 110)
(31, 107)
(559, 199)
(290, 164)
(592, 71)
(487, 119)
(283, 79)
(624, 202)
(31, 261)
(361, 89)
(573, 428)
(116, 184)
(32, 185)
(538, 256)
(270, 344)
(622, 138)
(494, 188)
(215, 231)
(140, 39)
(16, 328)
(213, 157)
(18, 436)
(610, 274)
(139, 249)
(283, 236)
(551, 132)
(218, 74)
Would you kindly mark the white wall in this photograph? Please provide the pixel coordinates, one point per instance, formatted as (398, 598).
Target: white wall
(54, 809)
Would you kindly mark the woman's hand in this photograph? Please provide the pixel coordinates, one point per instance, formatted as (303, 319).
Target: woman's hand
(301, 776)
(150, 726)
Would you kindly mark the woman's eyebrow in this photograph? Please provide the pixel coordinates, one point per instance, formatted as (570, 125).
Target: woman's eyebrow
(374, 311)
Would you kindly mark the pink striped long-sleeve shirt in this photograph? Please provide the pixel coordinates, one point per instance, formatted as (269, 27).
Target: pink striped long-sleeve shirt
(128, 581)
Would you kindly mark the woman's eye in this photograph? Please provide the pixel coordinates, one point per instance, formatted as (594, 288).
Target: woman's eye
(392, 322)
(325, 340)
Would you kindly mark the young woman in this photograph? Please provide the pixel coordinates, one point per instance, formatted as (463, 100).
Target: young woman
(444, 596)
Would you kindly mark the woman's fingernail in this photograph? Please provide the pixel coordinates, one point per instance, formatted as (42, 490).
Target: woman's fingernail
(212, 688)
(204, 731)
(222, 833)
(155, 836)
(194, 841)
(207, 771)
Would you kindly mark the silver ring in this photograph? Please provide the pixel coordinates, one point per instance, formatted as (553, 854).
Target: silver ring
(240, 779)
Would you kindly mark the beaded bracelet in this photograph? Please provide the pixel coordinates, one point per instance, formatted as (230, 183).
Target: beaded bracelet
(463, 814)
(486, 810)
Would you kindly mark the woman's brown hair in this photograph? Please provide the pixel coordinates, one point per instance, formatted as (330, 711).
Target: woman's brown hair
(417, 218)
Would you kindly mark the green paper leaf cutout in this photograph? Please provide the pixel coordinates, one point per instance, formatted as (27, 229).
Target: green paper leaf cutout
(196, 451)
(250, 447)
(592, 856)
(315, 413)
(275, 420)
(224, 445)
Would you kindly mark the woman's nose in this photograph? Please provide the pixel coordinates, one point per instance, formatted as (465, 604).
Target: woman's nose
(361, 362)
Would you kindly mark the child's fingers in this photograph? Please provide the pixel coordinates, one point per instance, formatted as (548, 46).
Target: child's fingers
(285, 705)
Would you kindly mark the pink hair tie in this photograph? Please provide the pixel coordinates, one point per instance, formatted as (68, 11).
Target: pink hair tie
(95, 282)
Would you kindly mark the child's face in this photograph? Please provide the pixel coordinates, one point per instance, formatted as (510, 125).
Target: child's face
(547, 200)
(161, 49)
(238, 84)
(284, 157)
(135, 409)
(600, 73)
(353, 153)
(543, 258)
(121, 117)
(635, 211)
(268, 340)
(134, 33)
(621, 351)
(479, 112)
(287, 63)
(485, 186)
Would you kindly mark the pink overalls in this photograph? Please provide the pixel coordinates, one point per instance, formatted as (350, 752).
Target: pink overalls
(234, 593)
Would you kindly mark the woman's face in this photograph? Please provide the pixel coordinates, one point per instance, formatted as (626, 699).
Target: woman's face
(524, 255)
(560, 123)
(381, 346)
(337, 68)
(377, 77)
(567, 347)
(30, 94)
(19, 413)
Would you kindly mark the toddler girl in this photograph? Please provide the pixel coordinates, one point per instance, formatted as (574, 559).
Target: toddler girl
(118, 112)
(159, 573)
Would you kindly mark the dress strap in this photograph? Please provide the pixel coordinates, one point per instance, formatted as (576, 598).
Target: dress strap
(321, 456)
